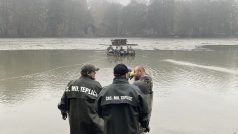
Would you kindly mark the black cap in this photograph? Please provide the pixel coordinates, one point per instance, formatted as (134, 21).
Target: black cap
(89, 68)
(120, 69)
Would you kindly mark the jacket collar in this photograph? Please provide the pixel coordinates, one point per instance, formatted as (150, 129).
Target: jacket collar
(119, 80)
(85, 77)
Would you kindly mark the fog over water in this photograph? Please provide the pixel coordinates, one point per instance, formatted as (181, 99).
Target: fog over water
(195, 82)
(102, 43)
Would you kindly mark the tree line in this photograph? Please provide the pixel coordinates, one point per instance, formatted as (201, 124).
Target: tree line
(102, 18)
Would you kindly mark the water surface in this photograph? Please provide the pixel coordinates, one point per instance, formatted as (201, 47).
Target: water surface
(195, 91)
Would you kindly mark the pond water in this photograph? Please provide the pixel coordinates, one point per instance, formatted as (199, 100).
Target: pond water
(195, 84)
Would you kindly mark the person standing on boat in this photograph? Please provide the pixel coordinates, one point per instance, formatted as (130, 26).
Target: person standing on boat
(110, 49)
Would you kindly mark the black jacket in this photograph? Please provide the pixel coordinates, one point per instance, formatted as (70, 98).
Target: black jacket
(122, 107)
(78, 101)
(145, 84)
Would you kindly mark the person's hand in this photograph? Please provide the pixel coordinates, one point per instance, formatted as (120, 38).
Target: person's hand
(64, 115)
(147, 129)
(131, 75)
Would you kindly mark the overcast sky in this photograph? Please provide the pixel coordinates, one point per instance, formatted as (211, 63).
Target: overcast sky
(123, 2)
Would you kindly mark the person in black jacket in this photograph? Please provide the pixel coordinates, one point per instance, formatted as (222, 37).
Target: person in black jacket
(141, 76)
(145, 84)
(78, 103)
(122, 106)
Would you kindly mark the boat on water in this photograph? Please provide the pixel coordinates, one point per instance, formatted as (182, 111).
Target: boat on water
(120, 47)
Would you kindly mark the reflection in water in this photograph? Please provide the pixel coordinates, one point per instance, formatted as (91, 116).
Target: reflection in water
(120, 59)
(194, 91)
